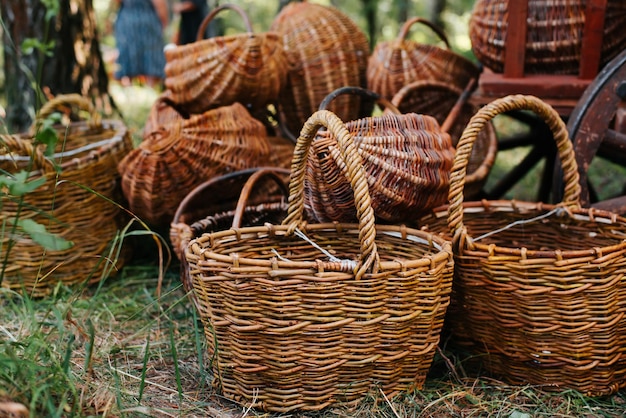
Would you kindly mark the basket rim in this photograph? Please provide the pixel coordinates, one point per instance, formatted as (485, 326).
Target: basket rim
(517, 206)
(442, 247)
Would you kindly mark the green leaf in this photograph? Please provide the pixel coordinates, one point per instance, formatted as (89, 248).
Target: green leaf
(48, 136)
(19, 185)
(41, 236)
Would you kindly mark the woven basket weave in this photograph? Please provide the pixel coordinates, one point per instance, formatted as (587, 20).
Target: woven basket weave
(303, 315)
(554, 34)
(539, 289)
(325, 50)
(249, 68)
(180, 155)
(399, 62)
(246, 198)
(407, 159)
(438, 99)
(73, 202)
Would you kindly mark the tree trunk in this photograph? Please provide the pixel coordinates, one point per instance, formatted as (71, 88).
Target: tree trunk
(73, 63)
(436, 9)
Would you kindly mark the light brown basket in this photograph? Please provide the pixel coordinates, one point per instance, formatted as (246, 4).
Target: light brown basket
(249, 68)
(407, 160)
(554, 34)
(399, 62)
(325, 50)
(539, 289)
(75, 202)
(162, 113)
(173, 160)
(300, 316)
(439, 99)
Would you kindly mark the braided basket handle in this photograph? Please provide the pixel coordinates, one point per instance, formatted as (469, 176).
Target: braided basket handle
(361, 92)
(261, 173)
(210, 16)
(438, 31)
(73, 101)
(15, 144)
(356, 174)
(479, 120)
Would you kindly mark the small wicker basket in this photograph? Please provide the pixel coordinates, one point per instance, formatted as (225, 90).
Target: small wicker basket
(554, 34)
(300, 316)
(325, 50)
(180, 155)
(249, 68)
(439, 99)
(75, 202)
(399, 62)
(539, 289)
(407, 159)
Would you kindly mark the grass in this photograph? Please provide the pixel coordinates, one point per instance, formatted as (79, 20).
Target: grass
(127, 348)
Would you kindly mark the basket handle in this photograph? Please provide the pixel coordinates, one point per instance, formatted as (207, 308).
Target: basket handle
(361, 92)
(369, 258)
(479, 120)
(70, 100)
(438, 31)
(210, 16)
(270, 173)
(13, 143)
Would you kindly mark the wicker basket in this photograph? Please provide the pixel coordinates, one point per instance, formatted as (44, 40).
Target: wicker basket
(407, 159)
(249, 68)
(246, 198)
(325, 50)
(304, 315)
(173, 160)
(539, 289)
(399, 62)
(554, 34)
(438, 99)
(162, 113)
(75, 202)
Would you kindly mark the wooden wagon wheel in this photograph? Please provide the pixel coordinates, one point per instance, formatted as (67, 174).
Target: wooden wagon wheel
(597, 128)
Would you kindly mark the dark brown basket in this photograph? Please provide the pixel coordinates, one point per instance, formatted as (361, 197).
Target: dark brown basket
(180, 155)
(301, 316)
(554, 34)
(439, 99)
(249, 68)
(325, 50)
(75, 202)
(539, 289)
(407, 160)
(399, 62)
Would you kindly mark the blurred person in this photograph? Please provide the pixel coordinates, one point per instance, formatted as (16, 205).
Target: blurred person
(192, 13)
(139, 40)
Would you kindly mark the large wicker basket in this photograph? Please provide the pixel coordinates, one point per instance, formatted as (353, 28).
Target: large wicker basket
(325, 50)
(402, 61)
(439, 99)
(407, 159)
(539, 289)
(249, 68)
(76, 201)
(184, 153)
(304, 315)
(554, 34)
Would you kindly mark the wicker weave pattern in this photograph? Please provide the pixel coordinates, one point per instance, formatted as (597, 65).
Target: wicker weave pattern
(173, 160)
(325, 50)
(291, 329)
(437, 99)
(399, 62)
(87, 156)
(554, 39)
(248, 68)
(407, 159)
(539, 288)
